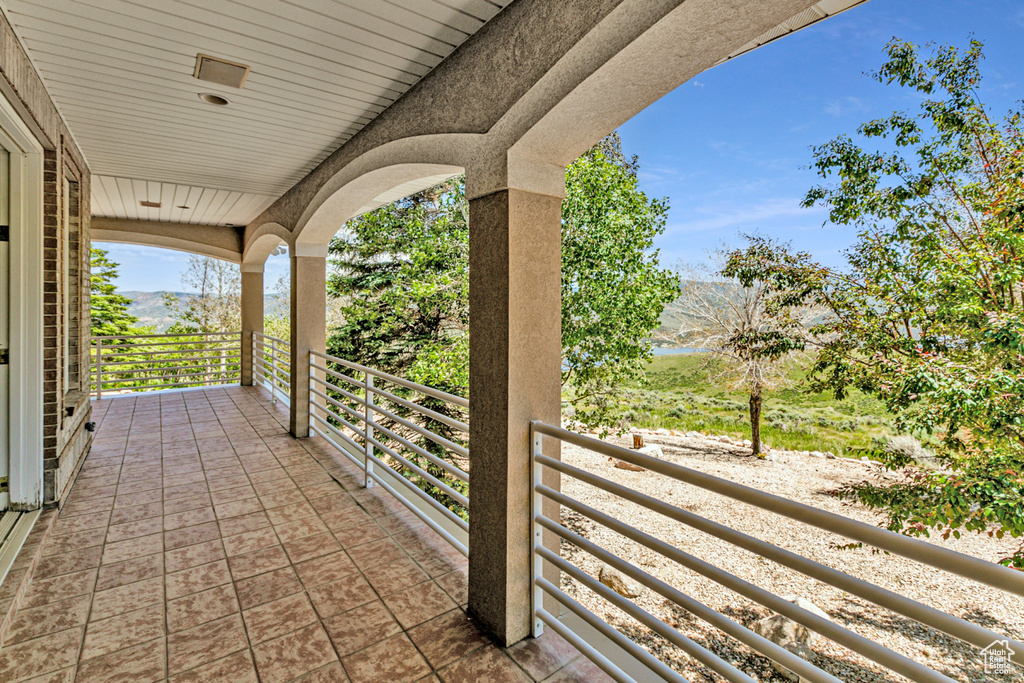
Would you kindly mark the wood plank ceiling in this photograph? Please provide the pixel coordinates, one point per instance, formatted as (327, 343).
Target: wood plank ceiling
(120, 71)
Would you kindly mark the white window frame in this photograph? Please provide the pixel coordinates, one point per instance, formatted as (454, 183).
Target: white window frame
(26, 310)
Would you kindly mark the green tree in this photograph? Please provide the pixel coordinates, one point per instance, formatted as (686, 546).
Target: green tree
(613, 287)
(108, 310)
(928, 313)
(403, 273)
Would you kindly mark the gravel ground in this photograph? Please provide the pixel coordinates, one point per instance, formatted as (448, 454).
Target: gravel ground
(808, 480)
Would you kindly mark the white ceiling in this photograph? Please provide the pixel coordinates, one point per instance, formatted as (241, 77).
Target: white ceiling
(120, 72)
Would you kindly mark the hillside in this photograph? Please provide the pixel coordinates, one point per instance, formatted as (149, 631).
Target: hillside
(149, 307)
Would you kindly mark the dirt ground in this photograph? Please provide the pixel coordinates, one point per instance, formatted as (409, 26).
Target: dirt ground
(809, 480)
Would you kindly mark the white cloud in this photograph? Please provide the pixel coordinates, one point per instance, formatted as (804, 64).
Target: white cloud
(736, 216)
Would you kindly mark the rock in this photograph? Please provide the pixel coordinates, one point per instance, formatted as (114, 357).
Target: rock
(675, 433)
(619, 582)
(663, 432)
(816, 454)
(748, 443)
(694, 435)
(787, 633)
(830, 455)
(653, 451)
(724, 439)
(623, 465)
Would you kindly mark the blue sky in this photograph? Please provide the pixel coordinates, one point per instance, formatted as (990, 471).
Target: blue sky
(730, 149)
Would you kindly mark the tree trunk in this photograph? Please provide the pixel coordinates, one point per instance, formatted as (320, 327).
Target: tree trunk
(755, 421)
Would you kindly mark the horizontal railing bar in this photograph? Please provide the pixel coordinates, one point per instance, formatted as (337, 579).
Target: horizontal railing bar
(698, 652)
(192, 359)
(966, 566)
(347, 394)
(162, 336)
(110, 353)
(458, 545)
(282, 351)
(432, 414)
(260, 335)
(415, 489)
(856, 642)
(429, 391)
(762, 645)
(210, 369)
(583, 646)
(338, 375)
(354, 413)
(446, 466)
(344, 422)
(459, 498)
(342, 436)
(427, 498)
(164, 386)
(187, 376)
(190, 342)
(439, 440)
(613, 634)
(937, 619)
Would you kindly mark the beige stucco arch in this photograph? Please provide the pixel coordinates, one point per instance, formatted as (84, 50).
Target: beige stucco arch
(263, 242)
(380, 175)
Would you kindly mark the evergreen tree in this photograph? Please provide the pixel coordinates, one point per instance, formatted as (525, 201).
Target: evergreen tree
(108, 310)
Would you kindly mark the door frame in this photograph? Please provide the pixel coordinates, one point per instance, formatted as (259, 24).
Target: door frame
(26, 311)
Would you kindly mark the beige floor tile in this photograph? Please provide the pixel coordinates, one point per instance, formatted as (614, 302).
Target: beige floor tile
(394, 660)
(285, 658)
(200, 608)
(267, 587)
(277, 618)
(123, 631)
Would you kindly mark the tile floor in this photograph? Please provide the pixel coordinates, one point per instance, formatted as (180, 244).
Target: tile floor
(201, 542)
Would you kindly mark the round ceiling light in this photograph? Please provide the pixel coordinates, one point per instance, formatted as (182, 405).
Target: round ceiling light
(210, 98)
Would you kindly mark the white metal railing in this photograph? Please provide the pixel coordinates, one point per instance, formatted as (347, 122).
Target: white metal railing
(147, 362)
(271, 366)
(941, 559)
(379, 431)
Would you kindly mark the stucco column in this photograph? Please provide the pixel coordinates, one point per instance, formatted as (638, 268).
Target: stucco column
(252, 314)
(308, 326)
(514, 367)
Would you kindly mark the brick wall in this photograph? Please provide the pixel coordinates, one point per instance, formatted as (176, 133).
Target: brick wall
(66, 245)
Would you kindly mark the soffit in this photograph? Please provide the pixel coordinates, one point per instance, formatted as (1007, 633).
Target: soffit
(120, 72)
(812, 15)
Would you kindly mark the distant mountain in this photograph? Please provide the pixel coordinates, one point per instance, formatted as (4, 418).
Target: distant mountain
(151, 311)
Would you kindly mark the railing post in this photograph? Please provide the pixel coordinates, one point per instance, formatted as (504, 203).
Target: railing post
(368, 419)
(312, 399)
(273, 371)
(99, 369)
(537, 536)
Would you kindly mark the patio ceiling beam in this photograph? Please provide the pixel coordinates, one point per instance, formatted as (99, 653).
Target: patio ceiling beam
(217, 241)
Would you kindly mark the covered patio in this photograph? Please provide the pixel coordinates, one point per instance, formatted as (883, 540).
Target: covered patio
(202, 542)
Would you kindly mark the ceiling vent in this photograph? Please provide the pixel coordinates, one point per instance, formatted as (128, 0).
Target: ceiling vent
(151, 205)
(220, 71)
